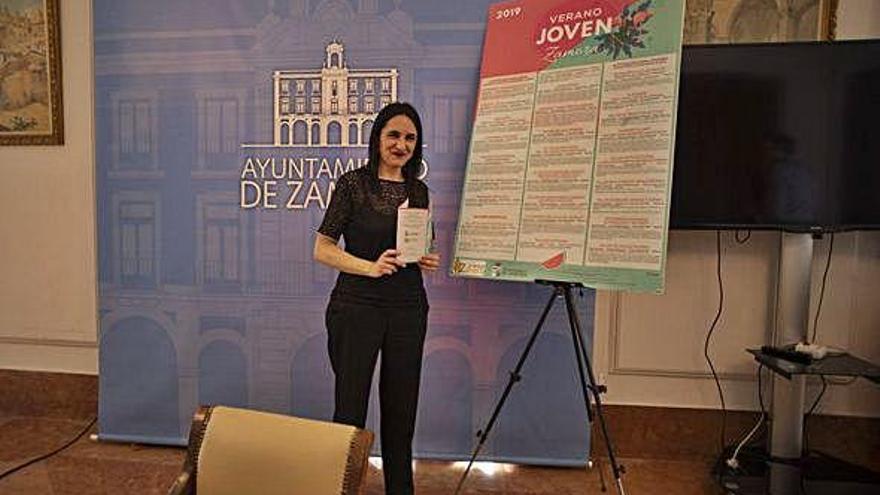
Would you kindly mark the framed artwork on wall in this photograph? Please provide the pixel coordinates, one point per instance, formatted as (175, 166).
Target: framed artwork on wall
(31, 109)
(757, 21)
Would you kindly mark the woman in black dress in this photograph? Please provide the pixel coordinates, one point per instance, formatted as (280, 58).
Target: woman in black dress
(378, 303)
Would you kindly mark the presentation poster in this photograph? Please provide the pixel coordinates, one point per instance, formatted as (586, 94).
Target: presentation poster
(569, 172)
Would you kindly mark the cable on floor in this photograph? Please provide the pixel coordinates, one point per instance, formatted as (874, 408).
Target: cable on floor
(43, 457)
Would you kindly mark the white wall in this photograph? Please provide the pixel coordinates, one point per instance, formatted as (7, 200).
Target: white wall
(649, 349)
(47, 225)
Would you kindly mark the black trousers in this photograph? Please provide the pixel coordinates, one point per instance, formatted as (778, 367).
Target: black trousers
(357, 334)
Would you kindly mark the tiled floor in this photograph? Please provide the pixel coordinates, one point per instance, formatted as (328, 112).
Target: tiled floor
(94, 468)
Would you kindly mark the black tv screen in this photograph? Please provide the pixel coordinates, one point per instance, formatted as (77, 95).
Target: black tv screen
(778, 136)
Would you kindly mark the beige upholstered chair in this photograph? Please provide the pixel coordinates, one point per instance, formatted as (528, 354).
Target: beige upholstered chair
(237, 451)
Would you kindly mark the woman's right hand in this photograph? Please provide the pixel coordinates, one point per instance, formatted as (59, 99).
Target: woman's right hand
(386, 264)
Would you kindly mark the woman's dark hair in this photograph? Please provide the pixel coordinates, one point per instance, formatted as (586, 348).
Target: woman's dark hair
(414, 165)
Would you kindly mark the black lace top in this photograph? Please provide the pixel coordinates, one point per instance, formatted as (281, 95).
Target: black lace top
(365, 217)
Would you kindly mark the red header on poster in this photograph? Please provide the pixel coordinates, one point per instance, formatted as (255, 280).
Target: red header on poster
(554, 28)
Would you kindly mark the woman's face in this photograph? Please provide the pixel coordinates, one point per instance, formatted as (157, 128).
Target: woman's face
(396, 142)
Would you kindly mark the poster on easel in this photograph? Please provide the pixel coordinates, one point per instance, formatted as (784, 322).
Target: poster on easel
(569, 172)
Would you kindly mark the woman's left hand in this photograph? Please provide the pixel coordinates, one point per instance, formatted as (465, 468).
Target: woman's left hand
(430, 262)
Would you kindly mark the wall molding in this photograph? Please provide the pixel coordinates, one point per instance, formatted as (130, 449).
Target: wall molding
(49, 342)
(615, 368)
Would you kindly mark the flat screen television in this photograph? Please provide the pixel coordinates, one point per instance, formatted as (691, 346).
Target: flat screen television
(778, 136)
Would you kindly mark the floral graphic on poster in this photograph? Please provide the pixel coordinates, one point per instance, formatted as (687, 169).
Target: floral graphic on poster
(630, 32)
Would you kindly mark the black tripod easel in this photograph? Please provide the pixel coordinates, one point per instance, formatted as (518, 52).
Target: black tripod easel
(559, 289)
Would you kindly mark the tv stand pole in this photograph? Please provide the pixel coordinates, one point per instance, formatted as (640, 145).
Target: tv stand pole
(792, 325)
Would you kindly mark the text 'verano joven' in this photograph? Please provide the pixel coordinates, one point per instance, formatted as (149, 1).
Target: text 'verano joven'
(571, 25)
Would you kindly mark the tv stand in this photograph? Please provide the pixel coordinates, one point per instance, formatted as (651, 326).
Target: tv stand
(788, 470)
(811, 473)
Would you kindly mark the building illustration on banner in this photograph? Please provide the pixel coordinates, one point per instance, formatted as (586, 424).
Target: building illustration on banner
(327, 116)
(335, 106)
(202, 301)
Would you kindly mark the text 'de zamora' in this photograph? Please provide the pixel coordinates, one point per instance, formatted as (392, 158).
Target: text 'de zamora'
(291, 194)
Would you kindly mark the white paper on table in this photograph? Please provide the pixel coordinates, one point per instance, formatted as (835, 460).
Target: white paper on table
(413, 233)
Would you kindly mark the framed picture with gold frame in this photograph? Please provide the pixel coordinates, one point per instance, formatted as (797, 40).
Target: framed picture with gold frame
(31, 108)
(759, 21)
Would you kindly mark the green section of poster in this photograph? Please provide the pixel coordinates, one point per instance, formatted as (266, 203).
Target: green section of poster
(570, 165)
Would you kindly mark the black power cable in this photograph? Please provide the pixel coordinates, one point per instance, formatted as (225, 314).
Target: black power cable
(812, 409)
(761, 391)
(37, 459)
(822, 290)
(805, 432)
(709, 338)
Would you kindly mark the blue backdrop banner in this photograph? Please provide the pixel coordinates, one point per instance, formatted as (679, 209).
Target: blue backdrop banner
(222, 126)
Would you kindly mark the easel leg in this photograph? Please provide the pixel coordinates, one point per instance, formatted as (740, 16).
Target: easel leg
(597, 390)
(563, 289)
(514, 377)
(579, 351)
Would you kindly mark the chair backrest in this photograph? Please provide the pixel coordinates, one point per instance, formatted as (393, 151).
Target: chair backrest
(244, 451)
